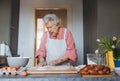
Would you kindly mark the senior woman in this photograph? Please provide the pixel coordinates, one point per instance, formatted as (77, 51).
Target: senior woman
(57, 45)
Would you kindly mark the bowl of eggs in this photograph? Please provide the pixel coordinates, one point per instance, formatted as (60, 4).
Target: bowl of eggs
(18, 61)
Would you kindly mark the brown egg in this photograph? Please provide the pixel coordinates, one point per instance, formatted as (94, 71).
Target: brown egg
(9, 68)
(14, 73)
(23, 73)
(13, 69)
(4, 69)
(17, 67)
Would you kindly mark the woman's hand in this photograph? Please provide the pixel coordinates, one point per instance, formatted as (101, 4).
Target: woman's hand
(58, 61)
(54, 62)
(42, 61)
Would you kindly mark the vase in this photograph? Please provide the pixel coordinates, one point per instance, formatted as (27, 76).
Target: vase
(117, 63)
(101, 60)
(110, 59)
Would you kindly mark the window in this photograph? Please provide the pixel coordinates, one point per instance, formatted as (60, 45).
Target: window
(40, 30)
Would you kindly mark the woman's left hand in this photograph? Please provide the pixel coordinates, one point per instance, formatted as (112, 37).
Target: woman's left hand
(54, 62)
(58, 61)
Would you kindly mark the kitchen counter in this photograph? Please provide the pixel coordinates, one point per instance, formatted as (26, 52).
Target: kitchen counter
(56, 77)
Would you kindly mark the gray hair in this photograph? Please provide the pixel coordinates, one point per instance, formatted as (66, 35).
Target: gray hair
(50, 17)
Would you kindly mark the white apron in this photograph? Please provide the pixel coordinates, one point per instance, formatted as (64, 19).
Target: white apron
(55, 48)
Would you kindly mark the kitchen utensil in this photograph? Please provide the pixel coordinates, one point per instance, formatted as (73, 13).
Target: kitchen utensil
(17, 61)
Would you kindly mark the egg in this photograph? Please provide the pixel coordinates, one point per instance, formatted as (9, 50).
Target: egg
(9, 68)
(23, 73)
(4, 68)
(17, 67)
(13, 69)
(14, 73)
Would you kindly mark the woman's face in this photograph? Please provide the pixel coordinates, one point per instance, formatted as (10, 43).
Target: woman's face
(52, 28)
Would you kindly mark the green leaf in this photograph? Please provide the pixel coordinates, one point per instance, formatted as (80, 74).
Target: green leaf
(103, 52)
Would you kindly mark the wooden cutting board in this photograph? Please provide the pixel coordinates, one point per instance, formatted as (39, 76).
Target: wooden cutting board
(107, 75)
(52, 70)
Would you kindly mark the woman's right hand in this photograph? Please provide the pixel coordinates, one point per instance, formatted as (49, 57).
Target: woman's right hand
(42, 61)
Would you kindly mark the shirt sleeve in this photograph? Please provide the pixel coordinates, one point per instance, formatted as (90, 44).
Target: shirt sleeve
(71, 49)
(42, 49)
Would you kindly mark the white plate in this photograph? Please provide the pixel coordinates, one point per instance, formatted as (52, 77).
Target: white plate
(117, 70)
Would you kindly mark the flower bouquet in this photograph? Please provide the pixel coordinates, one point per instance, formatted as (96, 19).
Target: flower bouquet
(106, 46)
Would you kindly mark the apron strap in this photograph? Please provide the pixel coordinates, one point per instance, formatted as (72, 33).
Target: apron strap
(64, 33)
(47, 35)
